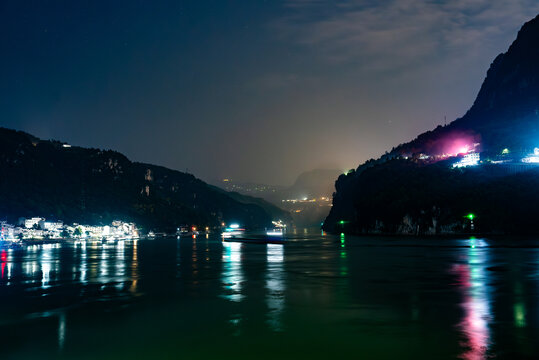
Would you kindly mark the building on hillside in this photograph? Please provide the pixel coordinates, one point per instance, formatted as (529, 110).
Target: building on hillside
(470, 159)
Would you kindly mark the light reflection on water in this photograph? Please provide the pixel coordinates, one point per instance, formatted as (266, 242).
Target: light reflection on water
(6, 263)
(474, 282)
(103, 264)
(342, 290)
(120, 264)
(520, 307)
(49, 263)
(275, 285)
(134, 269)
(61, 330)
(83, 263)
(232, 280)
(232, 277)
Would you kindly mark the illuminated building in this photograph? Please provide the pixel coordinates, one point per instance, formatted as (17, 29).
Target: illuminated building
(30, 223)
(532, 158)
(50, 226)
(470, 159)
(6, 231)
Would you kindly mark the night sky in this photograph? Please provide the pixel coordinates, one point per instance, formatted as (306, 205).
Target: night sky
(252, 90)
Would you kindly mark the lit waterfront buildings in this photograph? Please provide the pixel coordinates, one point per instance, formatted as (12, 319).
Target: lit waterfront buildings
(40, 229)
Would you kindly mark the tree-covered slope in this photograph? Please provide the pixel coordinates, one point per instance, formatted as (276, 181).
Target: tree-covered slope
(46, 178)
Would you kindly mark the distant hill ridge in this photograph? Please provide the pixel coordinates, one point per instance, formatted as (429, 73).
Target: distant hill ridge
(92, 186)
(314, 183)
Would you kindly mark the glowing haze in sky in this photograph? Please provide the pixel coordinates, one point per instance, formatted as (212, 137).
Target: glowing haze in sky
(250, 90)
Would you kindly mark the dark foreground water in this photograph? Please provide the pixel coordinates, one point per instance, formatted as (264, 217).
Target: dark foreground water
(315, 297)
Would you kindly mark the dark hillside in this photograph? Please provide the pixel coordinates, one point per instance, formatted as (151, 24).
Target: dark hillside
(53, 180)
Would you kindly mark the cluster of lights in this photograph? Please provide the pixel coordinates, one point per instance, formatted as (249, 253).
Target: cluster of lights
(533, 158)
(455, 148)
(39, 228)
(471, 217)
(471, 159)
(232, 230)
(303, 199)
(278, 228)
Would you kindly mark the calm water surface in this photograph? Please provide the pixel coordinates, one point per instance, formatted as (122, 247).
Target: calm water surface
(313, 297)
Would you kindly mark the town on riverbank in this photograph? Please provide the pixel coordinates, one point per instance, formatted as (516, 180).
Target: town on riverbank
(38, 229)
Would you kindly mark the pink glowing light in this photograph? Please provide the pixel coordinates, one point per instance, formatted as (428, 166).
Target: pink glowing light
(458, 143)
(459, 146)
(463, 150)
(475, 323)
(4, 259)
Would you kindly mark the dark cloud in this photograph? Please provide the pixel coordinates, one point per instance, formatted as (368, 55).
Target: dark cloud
(383, 35)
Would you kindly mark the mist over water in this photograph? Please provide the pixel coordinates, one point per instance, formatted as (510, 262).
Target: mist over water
(314, 296)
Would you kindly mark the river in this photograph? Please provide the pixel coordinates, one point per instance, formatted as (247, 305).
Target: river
(316, 296)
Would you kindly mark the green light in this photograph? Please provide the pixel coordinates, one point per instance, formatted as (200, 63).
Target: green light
(520, 314)
(342, 234)
(505, 151)
(341, 222)
(471, 216)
